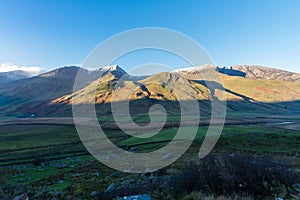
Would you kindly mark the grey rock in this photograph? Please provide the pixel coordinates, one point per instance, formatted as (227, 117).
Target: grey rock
(21, 197)
(135, 197)
(94, 193)
(110, 188)
(297, 185)
(61, 166)
(60, 181)
(126, 182)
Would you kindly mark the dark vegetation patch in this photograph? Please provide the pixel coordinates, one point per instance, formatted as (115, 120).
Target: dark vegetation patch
(243, 174)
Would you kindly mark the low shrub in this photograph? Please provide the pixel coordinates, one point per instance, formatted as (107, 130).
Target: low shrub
(232, 174)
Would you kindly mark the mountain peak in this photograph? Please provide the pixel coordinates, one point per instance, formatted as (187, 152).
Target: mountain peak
(194, 69)
(114, 69)
(111, 67)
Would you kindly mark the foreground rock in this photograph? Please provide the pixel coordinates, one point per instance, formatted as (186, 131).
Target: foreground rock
(135, 197)
(21, 197)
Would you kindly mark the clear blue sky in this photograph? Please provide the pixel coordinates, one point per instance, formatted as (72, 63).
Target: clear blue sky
(59, 32)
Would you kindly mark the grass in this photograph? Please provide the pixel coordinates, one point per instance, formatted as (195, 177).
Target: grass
(144, 118)
(263, 90)
(60, 186)
(255, 138)
(34, 140)
(260, 139)
(163, 136)
(31, 175)
(77, 172)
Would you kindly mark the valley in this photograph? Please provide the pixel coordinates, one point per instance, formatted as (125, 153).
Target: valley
(46, 157)
(43, 157)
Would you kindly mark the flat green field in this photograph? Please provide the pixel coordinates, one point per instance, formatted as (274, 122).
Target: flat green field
(52, 158)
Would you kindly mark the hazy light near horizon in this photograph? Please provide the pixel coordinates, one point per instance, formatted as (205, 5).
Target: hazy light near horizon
(32, 70)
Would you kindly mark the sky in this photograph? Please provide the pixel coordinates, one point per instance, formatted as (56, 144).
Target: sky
(51, 34)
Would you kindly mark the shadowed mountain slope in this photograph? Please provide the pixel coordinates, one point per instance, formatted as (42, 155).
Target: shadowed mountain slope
(52, 93)
(26, 95)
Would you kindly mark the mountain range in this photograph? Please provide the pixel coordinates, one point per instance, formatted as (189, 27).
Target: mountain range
(247, 88)
(6, 77)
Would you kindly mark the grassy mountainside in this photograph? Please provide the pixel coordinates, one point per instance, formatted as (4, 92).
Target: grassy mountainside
(242, 93)
(260, 84)
(263, 90)
(51, 93)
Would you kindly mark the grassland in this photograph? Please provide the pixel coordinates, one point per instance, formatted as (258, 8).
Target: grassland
(50, 159)
(263, 90)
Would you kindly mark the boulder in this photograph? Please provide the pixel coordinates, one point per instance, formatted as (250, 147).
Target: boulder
(21, 197)
(135, 197)
(110, 188)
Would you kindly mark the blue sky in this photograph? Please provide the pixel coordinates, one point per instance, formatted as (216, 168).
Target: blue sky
(51, 34)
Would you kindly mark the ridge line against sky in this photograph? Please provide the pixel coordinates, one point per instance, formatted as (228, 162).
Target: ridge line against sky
(55, 33)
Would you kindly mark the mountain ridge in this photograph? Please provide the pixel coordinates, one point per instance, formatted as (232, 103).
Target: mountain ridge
(260, 72)
(248, 71)
(6, 77)
(52, 92)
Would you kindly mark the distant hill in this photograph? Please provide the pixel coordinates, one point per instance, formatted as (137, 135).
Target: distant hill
(266, 73)
(248, 71)
(49, 85)
(259, 84)
(6, 77)
(52, 93)
(20, 96)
